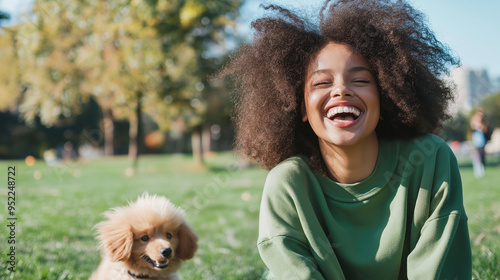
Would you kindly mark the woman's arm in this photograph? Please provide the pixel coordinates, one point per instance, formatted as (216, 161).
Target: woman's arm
(443, 249)
(285, 216)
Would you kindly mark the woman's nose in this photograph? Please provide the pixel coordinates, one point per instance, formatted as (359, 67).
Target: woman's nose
(340, 91)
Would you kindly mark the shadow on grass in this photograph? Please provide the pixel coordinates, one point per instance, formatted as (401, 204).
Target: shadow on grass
(218, 169)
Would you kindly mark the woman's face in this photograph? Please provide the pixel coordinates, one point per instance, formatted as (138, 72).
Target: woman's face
(341, 99)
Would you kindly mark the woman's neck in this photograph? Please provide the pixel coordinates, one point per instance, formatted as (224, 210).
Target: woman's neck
(350, 164)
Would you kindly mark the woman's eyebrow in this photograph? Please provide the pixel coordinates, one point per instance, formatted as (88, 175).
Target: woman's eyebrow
(319, 71)
(359, 68)
(352, 69)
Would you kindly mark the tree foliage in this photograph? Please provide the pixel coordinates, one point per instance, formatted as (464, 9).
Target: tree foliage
(130, 55)
(47, 48)
(491, 106)
(10, 89)
(456, 128)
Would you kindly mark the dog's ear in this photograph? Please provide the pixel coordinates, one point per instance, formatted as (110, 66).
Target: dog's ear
(188, 242)
(116, 239)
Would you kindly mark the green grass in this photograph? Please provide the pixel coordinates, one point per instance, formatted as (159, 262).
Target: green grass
(56, 214)
(482, 204)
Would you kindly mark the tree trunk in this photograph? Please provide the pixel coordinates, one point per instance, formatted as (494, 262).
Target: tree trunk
(196, 143)
(109, 134)
(206, 140)
(135, 134)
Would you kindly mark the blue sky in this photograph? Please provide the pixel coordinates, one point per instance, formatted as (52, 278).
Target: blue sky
(470, 27)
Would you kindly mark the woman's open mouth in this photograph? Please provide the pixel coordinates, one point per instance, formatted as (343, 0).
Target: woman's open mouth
(343, 116)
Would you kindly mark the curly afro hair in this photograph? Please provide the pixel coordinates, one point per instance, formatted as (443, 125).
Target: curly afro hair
(409, 64)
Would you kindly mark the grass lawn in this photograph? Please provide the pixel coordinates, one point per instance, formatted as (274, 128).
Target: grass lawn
(57, 207)
(482, 204)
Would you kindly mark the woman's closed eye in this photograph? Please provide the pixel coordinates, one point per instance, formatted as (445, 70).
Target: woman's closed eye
(361, 81)
(322, 83)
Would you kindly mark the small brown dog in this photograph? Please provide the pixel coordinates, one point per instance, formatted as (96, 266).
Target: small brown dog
(148, 239)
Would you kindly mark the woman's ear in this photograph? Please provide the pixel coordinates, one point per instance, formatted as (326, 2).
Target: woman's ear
(303, 111)
(188, 242)
(116, 239)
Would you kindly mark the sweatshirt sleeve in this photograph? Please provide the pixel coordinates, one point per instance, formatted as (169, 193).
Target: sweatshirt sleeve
(282, 243)
(443, 249)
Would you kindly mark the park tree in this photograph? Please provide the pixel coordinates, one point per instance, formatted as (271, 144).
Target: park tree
(47, 49)
(491, 106)
(10, 87)
(121, 59)
(201, 30)
(73, 50)
(133, 57)
(456, 128)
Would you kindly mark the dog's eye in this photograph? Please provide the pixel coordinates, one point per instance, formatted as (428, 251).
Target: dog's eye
(145, 238)
(169, 235)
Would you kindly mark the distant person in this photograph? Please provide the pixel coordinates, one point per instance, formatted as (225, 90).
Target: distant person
(342, 113)
(479, 126)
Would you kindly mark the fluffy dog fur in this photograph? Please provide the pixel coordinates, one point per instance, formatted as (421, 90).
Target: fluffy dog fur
(148, 239)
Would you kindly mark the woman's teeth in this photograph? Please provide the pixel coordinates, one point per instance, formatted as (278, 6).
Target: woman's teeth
(334, 111)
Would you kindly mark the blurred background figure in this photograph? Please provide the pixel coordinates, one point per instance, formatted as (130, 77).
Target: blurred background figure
(479, 126)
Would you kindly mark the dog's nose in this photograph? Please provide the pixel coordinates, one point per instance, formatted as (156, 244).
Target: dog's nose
(166, 252)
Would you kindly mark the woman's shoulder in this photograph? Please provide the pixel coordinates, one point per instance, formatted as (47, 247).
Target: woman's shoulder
(426, 145)
(289, 174)
(294, 165)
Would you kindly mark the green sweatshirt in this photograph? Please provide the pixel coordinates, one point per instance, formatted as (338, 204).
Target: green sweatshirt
(405, 221)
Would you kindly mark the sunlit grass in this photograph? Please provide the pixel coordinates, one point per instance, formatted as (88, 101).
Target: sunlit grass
(57, 207)
(482, 203)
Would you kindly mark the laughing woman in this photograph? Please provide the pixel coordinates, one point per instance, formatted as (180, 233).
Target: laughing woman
(342, 114)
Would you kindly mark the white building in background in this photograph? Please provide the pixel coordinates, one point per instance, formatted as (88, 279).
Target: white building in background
(471, 87)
